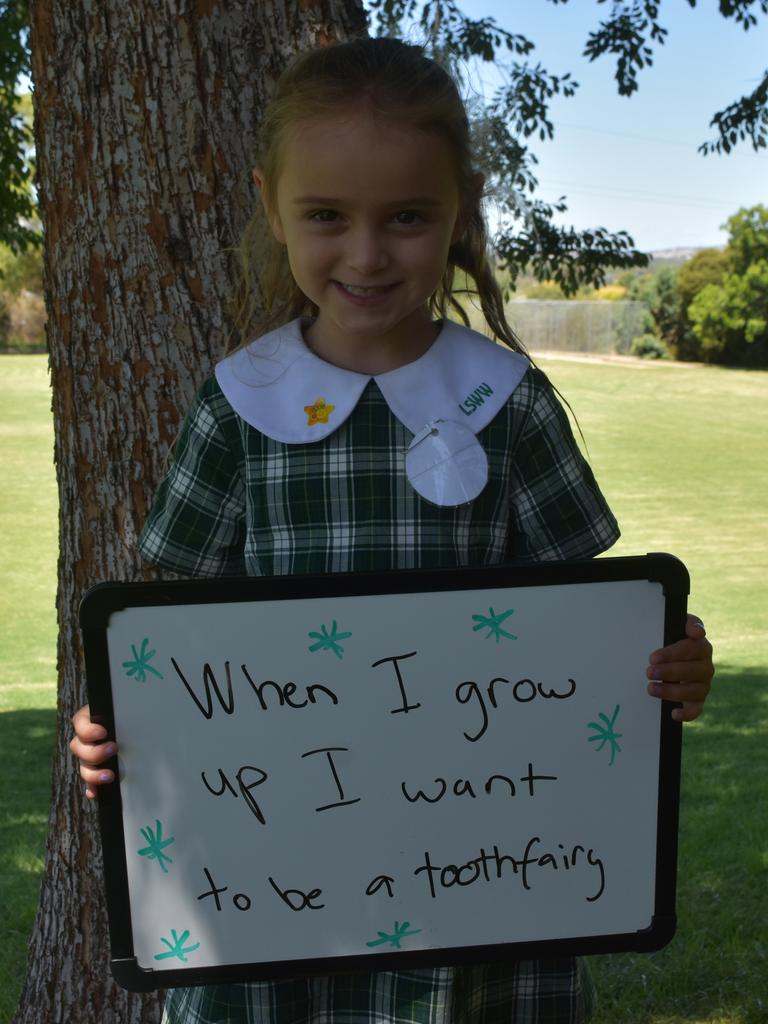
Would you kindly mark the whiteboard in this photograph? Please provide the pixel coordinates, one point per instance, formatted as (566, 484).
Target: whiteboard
(360, 772)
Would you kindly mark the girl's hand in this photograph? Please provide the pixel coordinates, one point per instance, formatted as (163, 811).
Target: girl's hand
(683, 671)
(91, 750)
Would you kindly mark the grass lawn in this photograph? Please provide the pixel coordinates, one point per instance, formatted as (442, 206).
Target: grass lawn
(680, 452)
(28, 551)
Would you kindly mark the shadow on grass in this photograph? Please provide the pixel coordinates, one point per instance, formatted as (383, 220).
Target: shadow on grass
(26, 749)
(715, 967)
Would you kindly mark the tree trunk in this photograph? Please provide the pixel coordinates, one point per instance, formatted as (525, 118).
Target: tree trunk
(145, 120)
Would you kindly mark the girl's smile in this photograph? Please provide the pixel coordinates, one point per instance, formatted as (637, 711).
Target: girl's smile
(364, 296)
(368, 210)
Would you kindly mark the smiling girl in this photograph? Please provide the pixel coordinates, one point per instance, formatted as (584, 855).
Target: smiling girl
(362, 429)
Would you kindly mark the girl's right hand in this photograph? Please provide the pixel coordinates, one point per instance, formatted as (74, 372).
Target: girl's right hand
(91, 750)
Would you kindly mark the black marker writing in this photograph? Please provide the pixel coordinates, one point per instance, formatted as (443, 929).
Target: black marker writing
(494, 866)
(214, 890)
(246, 787)
(464, 787)
(268, 693)
(378, 882)
(341, 802)
(523, 692)
(245, 784)
(209, 680)
(396, 659)
(225, 784)
(285, 692)
(296, 899)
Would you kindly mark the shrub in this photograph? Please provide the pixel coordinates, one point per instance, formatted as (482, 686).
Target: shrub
(648, 346)
(611, 293)
(21, 271)
(545, 290)
(22, 322)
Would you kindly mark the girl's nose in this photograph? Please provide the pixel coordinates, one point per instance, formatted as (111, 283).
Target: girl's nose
(367, 251)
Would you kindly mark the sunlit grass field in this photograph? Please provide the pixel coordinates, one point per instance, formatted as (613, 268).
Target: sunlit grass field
(681, 454)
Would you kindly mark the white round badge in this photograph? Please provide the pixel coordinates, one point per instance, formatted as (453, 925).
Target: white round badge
(446, 464)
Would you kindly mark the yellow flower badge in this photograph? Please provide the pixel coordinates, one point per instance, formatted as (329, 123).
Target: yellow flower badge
(318, 413)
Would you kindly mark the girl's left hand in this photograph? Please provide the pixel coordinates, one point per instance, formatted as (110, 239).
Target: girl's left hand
(683, 671)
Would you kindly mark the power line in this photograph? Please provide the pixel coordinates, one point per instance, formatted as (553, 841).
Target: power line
(635, 195)
(652, 138)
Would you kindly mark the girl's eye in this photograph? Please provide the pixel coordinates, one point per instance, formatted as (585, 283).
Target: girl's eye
(408, 217)
(323, 216)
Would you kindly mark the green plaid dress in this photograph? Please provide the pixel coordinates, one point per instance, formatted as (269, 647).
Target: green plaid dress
(236, 502)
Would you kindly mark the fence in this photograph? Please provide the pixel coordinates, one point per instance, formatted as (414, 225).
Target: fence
(577, 326)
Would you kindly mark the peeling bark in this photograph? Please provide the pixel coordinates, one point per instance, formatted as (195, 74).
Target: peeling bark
(145, 121)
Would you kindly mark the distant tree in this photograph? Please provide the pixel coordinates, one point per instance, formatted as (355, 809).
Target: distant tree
(665, 307)
(706, 267)
(657, 290)
(747, 237)
(729, 319)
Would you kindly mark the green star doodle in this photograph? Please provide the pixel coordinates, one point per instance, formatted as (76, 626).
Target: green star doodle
(329, 641)
(176, 947)
(606, 734)
(492, 622)
(155, 845)
(140, 664)
(394, 940)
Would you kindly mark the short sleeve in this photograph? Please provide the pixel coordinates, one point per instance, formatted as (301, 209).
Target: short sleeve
(197, 523)
(558, 510)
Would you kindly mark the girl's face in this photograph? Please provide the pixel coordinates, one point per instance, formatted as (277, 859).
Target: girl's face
(367, 210)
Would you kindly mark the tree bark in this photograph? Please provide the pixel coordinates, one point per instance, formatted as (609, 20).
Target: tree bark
(146, 114)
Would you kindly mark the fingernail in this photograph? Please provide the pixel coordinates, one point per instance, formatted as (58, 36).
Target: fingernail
(109, 751)
(656, 689)
(105, 777)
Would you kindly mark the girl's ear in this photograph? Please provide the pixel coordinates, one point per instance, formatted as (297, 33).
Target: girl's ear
(469, 206)
(272, 216)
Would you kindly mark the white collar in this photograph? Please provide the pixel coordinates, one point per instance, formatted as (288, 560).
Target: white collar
(278, 385)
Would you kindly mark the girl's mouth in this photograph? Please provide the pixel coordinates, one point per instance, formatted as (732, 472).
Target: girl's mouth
(362, 295)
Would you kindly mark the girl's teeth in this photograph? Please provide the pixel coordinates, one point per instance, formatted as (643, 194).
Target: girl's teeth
(355, 290)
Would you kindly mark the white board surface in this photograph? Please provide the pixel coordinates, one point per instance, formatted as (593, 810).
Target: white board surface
(386, 772)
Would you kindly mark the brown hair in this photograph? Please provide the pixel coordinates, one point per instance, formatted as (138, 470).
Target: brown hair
(396, 81)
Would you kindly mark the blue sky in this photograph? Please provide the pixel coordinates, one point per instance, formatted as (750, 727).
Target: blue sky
(632, 163)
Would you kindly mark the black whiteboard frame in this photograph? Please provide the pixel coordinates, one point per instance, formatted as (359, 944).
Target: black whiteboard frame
(105, 599)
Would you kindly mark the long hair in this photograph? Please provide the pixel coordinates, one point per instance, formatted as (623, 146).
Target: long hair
(397, 82)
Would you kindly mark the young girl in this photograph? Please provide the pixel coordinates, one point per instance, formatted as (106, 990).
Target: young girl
(363, 431)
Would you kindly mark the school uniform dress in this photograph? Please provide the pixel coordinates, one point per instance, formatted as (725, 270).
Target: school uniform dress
(286, 464)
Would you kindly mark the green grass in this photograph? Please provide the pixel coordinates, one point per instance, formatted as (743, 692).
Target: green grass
(28, 538)
(680, 454)
(28, 535)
